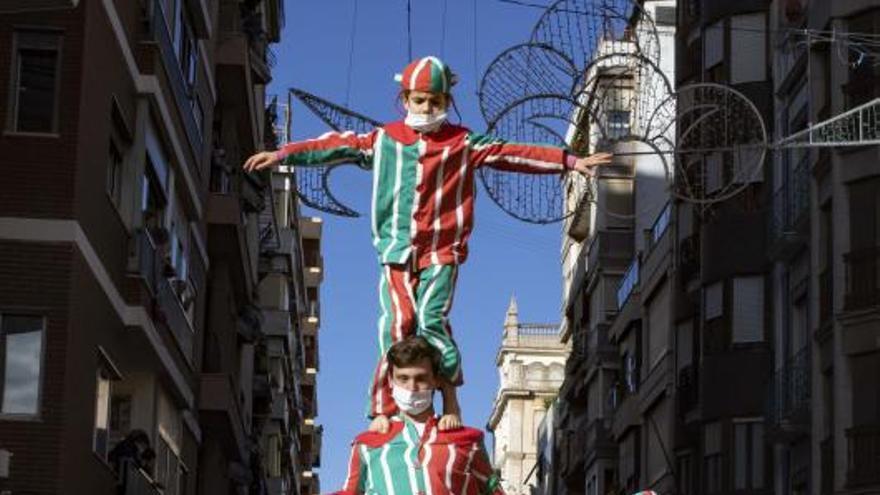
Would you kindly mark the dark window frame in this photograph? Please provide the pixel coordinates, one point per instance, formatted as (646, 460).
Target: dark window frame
(39, 40)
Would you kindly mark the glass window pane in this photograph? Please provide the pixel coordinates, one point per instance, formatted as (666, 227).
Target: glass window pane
(102, 414)
(36, 90)
(24, 346)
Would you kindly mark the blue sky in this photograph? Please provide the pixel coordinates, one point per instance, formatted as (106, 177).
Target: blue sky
(507, 256)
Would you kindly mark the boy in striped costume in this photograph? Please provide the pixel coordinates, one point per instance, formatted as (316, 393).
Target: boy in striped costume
(414, 456)
(422, 213)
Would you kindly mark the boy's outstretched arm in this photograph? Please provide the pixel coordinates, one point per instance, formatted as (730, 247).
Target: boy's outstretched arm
(330, 148)
(529, 158)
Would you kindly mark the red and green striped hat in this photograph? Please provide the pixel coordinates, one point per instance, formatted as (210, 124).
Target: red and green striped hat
(428, 74)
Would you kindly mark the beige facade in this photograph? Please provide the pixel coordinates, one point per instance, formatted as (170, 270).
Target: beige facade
(531, 362)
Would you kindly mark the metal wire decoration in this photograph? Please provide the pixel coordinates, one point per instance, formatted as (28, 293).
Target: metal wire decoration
(313, 183)
(721, 141)
(589, 78)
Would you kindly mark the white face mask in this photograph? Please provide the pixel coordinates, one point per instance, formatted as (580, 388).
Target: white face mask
(411, 402)
(423, 122)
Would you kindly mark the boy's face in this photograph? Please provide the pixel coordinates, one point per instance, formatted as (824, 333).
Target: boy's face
(415, 378)
(422, 102)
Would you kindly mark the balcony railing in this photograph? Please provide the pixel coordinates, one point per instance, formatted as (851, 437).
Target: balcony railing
(148, 261)
(790, 392)
(863, 455)
(862, 278)
(661, 224)
(175, 317)
(628, 283)
(134, 481)
(179, 87)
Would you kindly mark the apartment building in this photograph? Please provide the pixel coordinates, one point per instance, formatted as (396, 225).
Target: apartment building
(133, 251)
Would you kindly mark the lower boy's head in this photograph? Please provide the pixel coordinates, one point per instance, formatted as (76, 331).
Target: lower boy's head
(425, 86)
(414, 364)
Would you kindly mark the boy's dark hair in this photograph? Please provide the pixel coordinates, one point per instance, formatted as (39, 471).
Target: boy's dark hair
(411, 351)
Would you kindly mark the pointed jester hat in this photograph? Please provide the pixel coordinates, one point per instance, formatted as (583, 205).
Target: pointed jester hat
(427, 74)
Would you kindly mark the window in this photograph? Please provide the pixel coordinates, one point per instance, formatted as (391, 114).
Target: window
(658, 327)
(618, 124)
(714, 300)
(35, 82)
(105, 375)
(187, 49)
(748, 310)
(863, 73)
(748, 48)
(114, 174)
(712, 467)
(152, 203)
(118, 145)
(748, 455)
(631, 372)
(169, 468)
(23, 362)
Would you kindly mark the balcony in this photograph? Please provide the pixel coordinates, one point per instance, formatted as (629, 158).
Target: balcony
(789, 213)
(609, 250)
(863, 456)
(598, 441)
(573, 468)
(171, 313)
(789, 394)
(220, 414)
(135, 481)
(147, 261)
(310, 227)
(180, 89)
(862, 279)
(276, 323)
(629, 283)
(309, 325)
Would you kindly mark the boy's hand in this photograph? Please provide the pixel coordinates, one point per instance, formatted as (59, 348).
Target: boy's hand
(587, 164)
(380, 424)
(261, 160)
(449, 422)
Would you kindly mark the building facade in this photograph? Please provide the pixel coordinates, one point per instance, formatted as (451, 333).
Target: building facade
(742, 335)
(139, 351)
(531, 363)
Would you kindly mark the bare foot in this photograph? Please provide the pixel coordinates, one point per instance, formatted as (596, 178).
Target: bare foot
(380, 424)
(449, 422)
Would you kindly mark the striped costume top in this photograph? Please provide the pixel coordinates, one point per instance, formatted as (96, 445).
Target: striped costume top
(401, 462)
(423, 184)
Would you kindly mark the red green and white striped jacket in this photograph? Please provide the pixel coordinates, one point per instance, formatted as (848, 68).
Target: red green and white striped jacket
(423, 184)
(401, 462)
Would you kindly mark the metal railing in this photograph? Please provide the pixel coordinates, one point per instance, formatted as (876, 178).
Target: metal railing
(661, 224)
(862, 278)
(175, 317)
(790, 392)
(148, 261)
(628, 283)
(134, 481)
